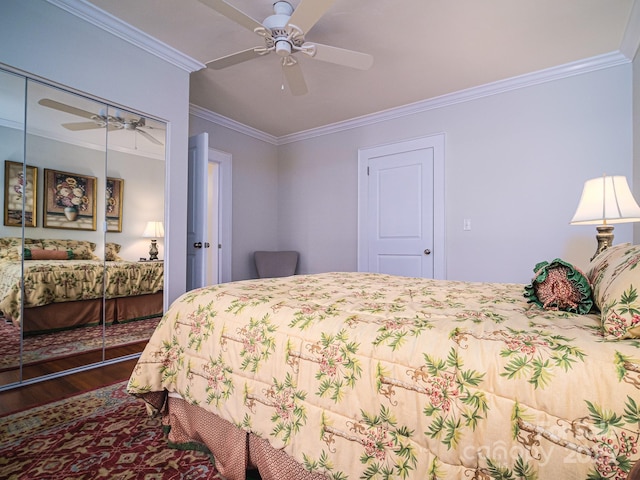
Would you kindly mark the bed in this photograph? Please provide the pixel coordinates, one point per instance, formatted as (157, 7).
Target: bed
(64, 285)
(369, 376)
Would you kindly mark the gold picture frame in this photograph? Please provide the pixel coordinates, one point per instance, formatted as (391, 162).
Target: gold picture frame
(69, 200)
(20, 194)
(114, 194)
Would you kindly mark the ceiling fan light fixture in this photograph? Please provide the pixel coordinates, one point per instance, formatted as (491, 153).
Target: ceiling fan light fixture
(284, 33)
(283, 48)
(283, 8)
(280, 18)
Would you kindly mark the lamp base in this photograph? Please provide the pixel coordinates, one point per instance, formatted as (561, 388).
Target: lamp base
(604, 237)
(153, 250)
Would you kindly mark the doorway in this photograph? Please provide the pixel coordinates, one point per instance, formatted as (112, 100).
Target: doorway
(401, 227)
(209, 214)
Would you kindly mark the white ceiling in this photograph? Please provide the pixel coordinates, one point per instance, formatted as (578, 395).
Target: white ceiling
(422, 49)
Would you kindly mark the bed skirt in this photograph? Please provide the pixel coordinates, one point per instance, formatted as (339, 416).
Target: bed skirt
(235, 451)
(83, 313)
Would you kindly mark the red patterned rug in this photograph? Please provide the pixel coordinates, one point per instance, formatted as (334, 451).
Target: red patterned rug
(105, 433)
(46, 346)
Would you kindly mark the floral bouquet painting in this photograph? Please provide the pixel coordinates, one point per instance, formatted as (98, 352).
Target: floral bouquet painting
(71, 195)
(70, 200)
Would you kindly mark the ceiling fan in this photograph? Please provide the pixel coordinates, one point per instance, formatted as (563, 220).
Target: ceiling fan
(101, 120)
(284, 33)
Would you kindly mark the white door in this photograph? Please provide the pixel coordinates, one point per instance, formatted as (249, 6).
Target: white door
(401, 211)
(197, 225)
(401, 214)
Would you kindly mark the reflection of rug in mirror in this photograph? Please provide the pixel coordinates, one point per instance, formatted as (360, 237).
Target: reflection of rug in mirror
(68, 342)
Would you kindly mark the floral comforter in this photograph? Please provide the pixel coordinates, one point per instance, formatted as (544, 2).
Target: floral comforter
(57, 281)
(370, 376)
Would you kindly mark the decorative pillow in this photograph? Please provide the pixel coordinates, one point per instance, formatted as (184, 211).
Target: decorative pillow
(599, 264)
(81, 249)
(111, 252)
(38, 254)
(559, 286)
(616, 278)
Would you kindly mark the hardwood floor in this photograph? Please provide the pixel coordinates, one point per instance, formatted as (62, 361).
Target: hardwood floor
(35, 394)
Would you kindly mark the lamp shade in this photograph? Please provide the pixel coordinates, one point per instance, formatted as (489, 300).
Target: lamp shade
(153, 230)
(606, 200)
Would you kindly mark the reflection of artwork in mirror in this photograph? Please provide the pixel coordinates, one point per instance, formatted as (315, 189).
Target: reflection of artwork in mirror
(115, 186)
(17, 190)
(70, 200)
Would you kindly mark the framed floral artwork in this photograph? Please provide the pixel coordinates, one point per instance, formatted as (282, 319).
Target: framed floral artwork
(115, 188)
(20, 188)
(69, 200)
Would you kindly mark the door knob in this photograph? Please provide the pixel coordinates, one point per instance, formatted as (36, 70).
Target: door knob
(197, 245)
(427, 251)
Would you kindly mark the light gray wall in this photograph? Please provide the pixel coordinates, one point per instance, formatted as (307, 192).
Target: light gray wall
(255, 193)
(515, 166)
(44, 40)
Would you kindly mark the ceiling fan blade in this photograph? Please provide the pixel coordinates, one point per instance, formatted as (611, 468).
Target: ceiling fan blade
(295, 79)
(308, 12)
(148, 136)
(341, 56)
(63, 107)
(232, 13)
(78, 126)
(234, 58)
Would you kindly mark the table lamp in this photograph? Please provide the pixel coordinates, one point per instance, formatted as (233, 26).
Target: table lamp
(153, 230)
(605, 201)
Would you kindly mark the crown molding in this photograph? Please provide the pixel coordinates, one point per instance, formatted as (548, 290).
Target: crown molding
(223, 121)
(535, 78)
(107, 22)
(13, 124)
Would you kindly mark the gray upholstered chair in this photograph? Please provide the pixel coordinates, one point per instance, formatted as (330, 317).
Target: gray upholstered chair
(275, 264)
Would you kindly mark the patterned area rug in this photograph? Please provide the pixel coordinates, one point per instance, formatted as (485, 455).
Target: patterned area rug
(42, 347)
(105, 433)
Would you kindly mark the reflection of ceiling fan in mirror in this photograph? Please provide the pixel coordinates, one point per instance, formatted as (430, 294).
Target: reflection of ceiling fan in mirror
(101, 120)
(284, 33)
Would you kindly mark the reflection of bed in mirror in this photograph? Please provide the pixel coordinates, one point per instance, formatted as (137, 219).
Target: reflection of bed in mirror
(65, 283)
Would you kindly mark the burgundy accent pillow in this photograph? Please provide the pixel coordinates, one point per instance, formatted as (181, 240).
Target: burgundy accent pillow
(559, 286)
(37, 254)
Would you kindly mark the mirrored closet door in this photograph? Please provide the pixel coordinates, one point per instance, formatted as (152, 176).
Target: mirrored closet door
(18, 215)
(82, 180)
